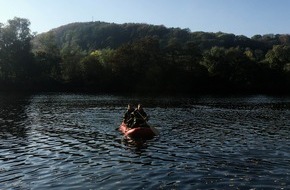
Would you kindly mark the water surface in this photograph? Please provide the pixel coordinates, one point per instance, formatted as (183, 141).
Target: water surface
(70, 141)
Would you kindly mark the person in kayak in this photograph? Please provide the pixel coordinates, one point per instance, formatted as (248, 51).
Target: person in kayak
(140, 117)
(128, 115)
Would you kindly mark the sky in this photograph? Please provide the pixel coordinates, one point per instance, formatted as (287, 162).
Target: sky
(240, 17)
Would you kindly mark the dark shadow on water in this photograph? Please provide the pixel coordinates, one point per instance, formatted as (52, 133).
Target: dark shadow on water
(13, 115)
(136, 145)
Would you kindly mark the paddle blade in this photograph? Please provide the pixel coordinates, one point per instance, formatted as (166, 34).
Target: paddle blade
(155, 131)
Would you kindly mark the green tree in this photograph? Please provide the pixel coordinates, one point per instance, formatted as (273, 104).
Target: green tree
(243, 68)
(227, 40)
(278, 57)
(137, 65)
(47, 57)
(232, 66)
(173, 49)
(215, 60)
(71, 68)
(16, 62)
(93, 70)
(192, 56)
(278, 60)
(97, 69)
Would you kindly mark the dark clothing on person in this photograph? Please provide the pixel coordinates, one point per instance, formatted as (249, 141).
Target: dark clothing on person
(128, 117)
(140, 118)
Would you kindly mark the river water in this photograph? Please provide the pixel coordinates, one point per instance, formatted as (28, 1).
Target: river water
(70, 141)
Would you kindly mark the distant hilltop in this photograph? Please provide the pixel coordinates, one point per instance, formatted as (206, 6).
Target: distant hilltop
(99, 35)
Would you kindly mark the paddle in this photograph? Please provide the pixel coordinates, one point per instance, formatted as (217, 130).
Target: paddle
(154, 130)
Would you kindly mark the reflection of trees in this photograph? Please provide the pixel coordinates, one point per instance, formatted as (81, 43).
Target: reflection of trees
(12, 115)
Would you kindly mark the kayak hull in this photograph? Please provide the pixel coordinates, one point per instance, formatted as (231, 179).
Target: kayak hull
(137, 133)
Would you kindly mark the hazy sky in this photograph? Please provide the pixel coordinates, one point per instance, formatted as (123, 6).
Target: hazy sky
(241, 17)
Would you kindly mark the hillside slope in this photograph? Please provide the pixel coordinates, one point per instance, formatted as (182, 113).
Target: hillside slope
(98, 35)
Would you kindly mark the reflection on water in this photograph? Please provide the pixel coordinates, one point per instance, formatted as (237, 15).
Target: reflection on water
(68, 141)
(12, 115)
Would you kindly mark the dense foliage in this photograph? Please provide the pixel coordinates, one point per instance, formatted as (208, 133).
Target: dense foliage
(106, 57)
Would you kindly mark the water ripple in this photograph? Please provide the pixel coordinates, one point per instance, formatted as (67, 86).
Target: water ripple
(69, 141)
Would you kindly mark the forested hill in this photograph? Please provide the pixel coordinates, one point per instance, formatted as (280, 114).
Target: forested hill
(99, 35)
(108, 57)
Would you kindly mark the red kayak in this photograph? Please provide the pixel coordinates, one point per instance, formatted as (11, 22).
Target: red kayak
(138, 132)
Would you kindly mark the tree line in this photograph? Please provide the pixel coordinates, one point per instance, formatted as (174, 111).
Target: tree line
(108, 57)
